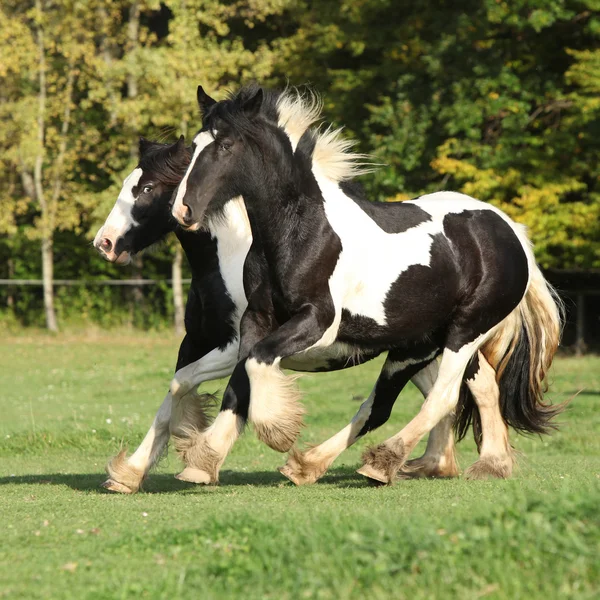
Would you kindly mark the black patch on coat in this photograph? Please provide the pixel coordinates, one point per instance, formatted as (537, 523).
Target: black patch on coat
(388, 387)
(209, 310)
(493, 272)
(418, 306)
(394, 217)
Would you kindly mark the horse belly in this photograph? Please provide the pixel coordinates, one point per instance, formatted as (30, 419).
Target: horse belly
(329, 358)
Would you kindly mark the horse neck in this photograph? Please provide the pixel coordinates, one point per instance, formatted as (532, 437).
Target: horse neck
(231, 225)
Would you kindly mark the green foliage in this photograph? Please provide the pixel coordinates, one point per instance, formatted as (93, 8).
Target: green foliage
(496, 99)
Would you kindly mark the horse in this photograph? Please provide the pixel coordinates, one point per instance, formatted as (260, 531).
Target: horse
(141, 217)
(327, 272)
(209, 350)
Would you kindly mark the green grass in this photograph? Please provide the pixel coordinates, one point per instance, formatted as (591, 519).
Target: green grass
(68, 403)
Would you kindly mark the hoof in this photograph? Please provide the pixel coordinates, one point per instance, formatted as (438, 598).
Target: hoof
(123, 477)
(288, 472)
(382, 463)
(490, 468)
(374, 475)
(426, 467)
(196, 476)
(115, 486)
(301, 470)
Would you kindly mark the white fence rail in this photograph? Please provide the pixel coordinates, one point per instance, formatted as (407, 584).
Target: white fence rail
(133, 282)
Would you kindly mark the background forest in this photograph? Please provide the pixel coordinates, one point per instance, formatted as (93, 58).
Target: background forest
(500, 100)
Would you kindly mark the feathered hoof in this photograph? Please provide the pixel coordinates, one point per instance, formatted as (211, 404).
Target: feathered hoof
(279, 438)
(429, 467)
(375, 476)
(115, 486)
(300, 470)
(382, 463)
(197, 476)
(490, 467)
(123, 477)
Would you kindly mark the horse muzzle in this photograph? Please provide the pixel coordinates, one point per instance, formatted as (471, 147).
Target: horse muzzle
(106, 248)
(183, 215)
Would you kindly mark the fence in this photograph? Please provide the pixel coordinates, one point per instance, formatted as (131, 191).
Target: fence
(579, 289)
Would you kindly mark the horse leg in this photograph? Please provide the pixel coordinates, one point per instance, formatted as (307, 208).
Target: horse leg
(496, 455)
(182, 413)
(306, 467)
(275, 410)
(439, 459)
(210, 447)
(383, 462)
(126, 474)
(189, 419)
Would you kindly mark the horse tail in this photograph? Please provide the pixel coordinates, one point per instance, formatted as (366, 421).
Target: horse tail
(467, 414)
(521, 352)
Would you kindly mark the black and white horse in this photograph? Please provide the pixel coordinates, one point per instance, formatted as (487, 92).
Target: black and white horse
(330, 274)
(209, 350)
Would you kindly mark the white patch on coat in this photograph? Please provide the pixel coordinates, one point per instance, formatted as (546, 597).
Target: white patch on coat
(224, 431)
(439, 204)
(233, 234)
(120, 220)
(202, 140)
(214, 365)
(155, 440)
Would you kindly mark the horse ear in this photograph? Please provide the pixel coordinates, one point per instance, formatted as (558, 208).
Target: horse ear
(181, 143)
(253, 105)
(143, 145)
(204, 100)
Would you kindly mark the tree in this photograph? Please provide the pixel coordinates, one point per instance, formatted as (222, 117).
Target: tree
(475, 97)
(47, 58)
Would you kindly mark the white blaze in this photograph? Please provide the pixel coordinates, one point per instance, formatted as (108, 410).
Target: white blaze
(120, 219)
(203, 139)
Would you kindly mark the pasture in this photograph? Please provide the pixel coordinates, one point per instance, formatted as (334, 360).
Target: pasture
(68, 403)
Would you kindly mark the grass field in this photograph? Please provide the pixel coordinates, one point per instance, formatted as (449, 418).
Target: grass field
(68, 403)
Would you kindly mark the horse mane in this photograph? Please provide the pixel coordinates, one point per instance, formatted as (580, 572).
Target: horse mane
(297, 113)
(166, 161)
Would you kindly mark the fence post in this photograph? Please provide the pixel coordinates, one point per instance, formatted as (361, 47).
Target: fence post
(580, 326)
(178, 291)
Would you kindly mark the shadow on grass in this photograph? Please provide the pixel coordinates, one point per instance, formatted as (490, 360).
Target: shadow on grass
(160, 483)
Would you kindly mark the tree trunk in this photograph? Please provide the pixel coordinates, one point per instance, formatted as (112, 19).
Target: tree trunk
(47, 229)
(133, 35)
(178, 291)
(48, 278)
(10, 299)
(137, 293)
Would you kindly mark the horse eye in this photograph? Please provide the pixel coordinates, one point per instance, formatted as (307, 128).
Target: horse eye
(147, 189)
(225, 145)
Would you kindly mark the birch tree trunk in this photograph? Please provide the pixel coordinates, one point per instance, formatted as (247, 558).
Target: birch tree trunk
(133, 34)
(177, 284)
(47, 237)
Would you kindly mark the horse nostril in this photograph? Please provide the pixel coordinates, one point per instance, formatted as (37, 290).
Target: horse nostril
(106, 245)
(187, 215)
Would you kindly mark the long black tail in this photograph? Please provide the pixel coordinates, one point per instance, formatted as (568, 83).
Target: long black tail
(521, 352)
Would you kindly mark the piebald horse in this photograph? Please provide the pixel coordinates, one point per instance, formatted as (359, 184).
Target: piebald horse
(329, 273)
(209, 350)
